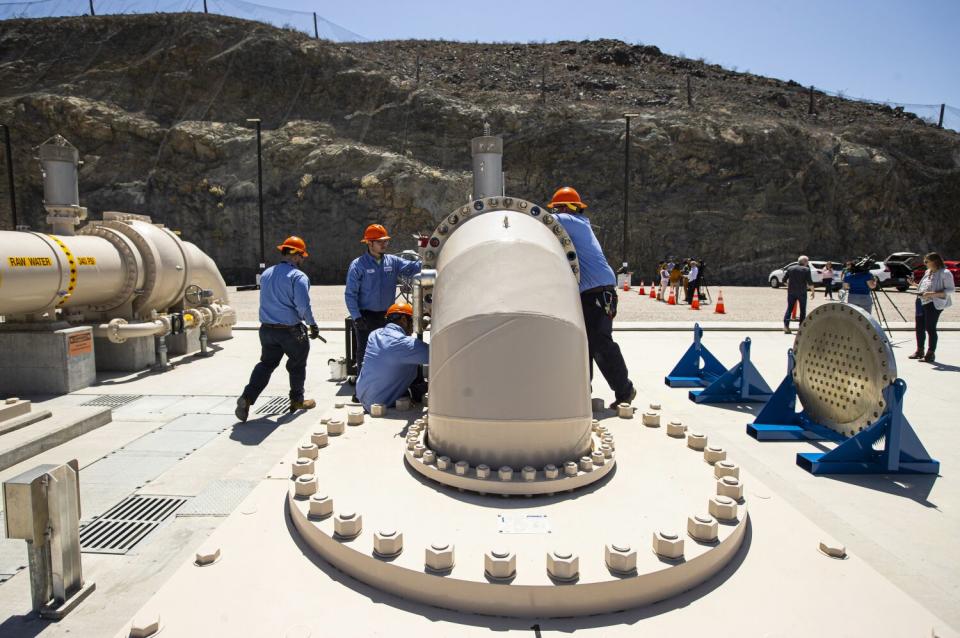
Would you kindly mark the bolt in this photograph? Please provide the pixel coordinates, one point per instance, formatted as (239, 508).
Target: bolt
(387, 543)
(335, 427)
(696, 441)
(429, 457)
(378, 410)
(667, 544)
(483, 471)
(145, 624)
(702, 527)
(325, 420)
(586, 464)
(597, 458)
(550, 471)
(608, 440)
(419, 449)
(307, 451)
(12, 400)
(726, 468)
(606, 450)
(319, 438)
(439, 557)
(339, 405)
(620, 558)
(302, 466)
(412, 442)
(594, 424)
(570, 468)
(713, 454)
(355, 417)
(651, 419)
(461, 468)
(602, 431)
(305, 486)
(321, 506)
(833, 549)
(528, 473)
(654, 406)
(500, 564)
(347, 525)
(676, 429)
(207, 556)
(443, 463)
(723, 508)
(625, 411)
(563, 565)
(730, 486)
(505, 473)
(402, 404)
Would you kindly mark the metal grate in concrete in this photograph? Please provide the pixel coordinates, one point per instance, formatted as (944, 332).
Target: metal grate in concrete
(113, 400)
(219, 498)
(276, 405)
(122, 527)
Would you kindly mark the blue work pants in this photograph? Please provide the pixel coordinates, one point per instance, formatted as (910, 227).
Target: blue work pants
(793, 298)
(274, 344)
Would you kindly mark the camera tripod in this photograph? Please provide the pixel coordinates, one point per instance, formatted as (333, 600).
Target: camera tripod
(883, 316)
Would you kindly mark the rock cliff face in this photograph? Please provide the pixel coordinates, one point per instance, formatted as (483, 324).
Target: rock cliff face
(352, 134)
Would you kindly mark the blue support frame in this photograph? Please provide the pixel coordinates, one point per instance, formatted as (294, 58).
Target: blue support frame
(742, 383)
(688, 373)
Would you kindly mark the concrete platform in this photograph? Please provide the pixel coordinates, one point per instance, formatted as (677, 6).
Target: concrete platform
(64, 425)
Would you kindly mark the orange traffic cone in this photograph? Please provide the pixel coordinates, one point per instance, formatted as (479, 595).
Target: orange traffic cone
(695, 303)
(719, 309)
(796, 305)
(673, 299)
(641, 291)
(653, 292)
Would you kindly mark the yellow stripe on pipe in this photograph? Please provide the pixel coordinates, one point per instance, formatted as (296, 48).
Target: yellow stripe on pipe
(73, 269)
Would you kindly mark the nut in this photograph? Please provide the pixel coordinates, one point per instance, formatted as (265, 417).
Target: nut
(676, 429)
(378, 410)
(207, 556)
(730, 486)
(696, 441)
(726, 468)
(419, 449)
(321, 506)
(667, 544)
(529, 473)
(570, 468)
(339, 405)
(307, 451)
(443, 463)
(713, 454)
(596, 405)
(302, 466)
(654, 406)
(505, 473)
(563, 565)
(594, 424)
(606, 450)
(324, 420)
(461, 468)
(602, 431)
(500, 564)
(412, 442)
(355, 417)
(439, 557)
(319, 438)
(145, 624)
(387, 543)
(429, 457)
(625, 411)
(651, 419)
(586, 464)
(607, 439)
(723, 508)
(620, 558)
(347, 525)
(597, 458)
(305, 486)
(702, 527)
(551, 471)
(833, 549)
(335, 427)
(483, 471)
(402, 404)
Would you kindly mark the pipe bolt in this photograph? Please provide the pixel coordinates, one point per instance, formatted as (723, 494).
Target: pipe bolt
(551, 471)
(606, 450)
(439, 557)
(726, 468)
(302, 466)
(402, 404)
(667, 544)
(505, 473)
(483, 471)
(570, 468)
(723, 508)
(443, 463)
(429, 457)
(500, 564)
(307, 451)
(696, 441)
(321, 506)
(305, 486)
(563, 565)
(607, 439)
(651, 419)
(654, 407)
(347, 525)
(528, 473)
(387, 543)
(676, 429)
(586, 464)
(594, 424)
(335, 427)
(319, 438)
(712, 454)
(620, 558)
(378, 410)
(625, 411)
(730, 486)
(703, 528)
(419, 449)
(355, 417)
(597, 458)
(461, 468)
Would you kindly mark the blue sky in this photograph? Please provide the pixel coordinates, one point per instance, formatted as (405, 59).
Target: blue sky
(884, 49)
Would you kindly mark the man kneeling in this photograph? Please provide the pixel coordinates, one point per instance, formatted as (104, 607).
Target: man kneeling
(391, 364)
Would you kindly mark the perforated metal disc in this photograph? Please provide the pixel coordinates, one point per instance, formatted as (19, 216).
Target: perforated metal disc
(843, 363)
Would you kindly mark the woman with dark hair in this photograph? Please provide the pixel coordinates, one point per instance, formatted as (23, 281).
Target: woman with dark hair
(933, 295)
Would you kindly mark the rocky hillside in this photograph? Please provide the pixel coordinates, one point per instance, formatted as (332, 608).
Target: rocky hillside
(352, 134)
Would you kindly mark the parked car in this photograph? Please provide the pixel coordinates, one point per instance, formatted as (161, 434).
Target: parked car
(778, 276)
(901, 267)
(952, 265)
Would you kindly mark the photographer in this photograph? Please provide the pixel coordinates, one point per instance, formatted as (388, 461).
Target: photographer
(858, 281)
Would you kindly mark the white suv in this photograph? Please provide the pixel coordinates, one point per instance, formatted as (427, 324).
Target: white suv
(778, 276)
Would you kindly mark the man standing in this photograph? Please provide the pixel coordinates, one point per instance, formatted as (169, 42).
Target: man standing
(799, 282)
(598, 294)
(284, 307)
(372, 285)
(391, 365)
(693, 281)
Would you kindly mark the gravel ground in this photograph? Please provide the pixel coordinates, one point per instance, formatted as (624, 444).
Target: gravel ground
(742, 304)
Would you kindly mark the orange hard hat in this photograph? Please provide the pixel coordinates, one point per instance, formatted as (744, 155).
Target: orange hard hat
(374, 232)
(566, 195)
(295, 244)
(400, 309)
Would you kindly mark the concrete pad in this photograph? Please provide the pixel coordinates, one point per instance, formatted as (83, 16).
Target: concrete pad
(49, 433)
(15, 423)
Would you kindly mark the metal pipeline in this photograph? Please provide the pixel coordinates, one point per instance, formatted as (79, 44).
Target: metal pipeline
(118, 330)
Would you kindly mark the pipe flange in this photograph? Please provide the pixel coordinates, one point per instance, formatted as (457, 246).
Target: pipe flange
(128, 258)
(149, 261)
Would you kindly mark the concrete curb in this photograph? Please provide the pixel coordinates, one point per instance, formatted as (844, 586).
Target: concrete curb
(44, 442)
(662, 326)
(23, 421)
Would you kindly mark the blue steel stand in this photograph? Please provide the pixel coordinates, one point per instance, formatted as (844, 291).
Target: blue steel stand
(688, 373)
(740, 384)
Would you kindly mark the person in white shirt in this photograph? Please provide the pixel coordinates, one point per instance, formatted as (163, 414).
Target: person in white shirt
(693, 281)
(934, 295)
(827, 277)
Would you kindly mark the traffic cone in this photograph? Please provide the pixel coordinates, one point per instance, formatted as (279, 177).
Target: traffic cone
(695, 303)
(673, 299)
(626, 285)
(653, 292)
(641, 291)
(796, 315)
(719, 309)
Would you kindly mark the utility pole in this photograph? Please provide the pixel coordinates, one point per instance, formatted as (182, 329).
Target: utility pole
(316, 33)
(626, 188)
(810, 108)
(689, 93)
(543, 83)
(417, 84)
(13, 195)
(92, 12)
(205, 6)
(940, 123)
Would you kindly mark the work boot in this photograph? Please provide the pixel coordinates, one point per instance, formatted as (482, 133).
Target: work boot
(786, 330)
(243, 409)
(633, 395)
(302, 404)
(929, 357)
(916, 355)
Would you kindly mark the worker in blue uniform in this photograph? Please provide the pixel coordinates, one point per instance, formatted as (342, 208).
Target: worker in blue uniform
(372, 285)
(391, 366)
(284, 309)
(598, 294)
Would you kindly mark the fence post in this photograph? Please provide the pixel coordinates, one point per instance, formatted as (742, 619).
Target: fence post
(689, 93)
(205, 6)
(810, 108)
(940, 123)
(316, 33)
(92, 12)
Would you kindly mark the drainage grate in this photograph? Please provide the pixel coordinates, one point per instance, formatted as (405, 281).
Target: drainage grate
(114, 400)
(276, 405)
(127, 523)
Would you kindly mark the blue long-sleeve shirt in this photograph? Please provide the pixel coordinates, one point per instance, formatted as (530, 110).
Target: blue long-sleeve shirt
(285, 295)
(594, 269)
(389, 365)
(372, 284)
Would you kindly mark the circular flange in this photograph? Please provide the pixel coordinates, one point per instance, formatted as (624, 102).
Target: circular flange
(843, 363)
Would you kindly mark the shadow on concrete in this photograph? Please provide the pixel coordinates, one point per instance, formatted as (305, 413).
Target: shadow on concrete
(498, 623)
(916, 487)
(255, 431)
(121, 377)
(744, 408)
(944, 367)
(24, 626)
